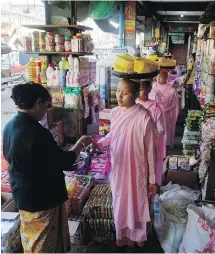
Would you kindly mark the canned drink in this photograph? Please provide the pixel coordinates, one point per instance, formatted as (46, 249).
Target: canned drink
(27, 44)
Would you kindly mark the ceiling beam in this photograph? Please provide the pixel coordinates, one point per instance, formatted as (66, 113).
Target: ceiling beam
(179, 18)
(145, 10)
(209, 14)
(177, 6)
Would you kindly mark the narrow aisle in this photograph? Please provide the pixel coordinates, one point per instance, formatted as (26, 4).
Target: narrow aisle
(178, 147)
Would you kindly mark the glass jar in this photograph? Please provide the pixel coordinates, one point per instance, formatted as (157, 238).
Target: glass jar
(59, 47)
(35, 41)
(67, 43)
(42, 41)
(59, 38)
(50, 42)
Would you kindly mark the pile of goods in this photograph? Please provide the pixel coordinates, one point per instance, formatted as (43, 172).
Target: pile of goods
(182, 163)
(10, 233)
(54, 42)
(100, 163)
(204, 83)
(78, 189)
(208, 135)
(192, 133)
(175, 201)
(129, 64)
(201, 226)
(70, 72)
(99, 213)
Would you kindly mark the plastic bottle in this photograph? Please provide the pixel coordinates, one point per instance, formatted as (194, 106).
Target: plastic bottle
(66, 64)
(38, 71)
(31, 70)
(76, 65)
(56, 77)
(67, 79)
(71, 64)
(158, 214)
(50, 75)
(43, 73)
(62, 72)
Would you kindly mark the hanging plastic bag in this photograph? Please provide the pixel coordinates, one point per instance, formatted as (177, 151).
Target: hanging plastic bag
(73, 98)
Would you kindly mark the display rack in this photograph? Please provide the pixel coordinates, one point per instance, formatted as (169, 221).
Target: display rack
(80, 123)
(60, 53)
(53, 27)
(210, 190)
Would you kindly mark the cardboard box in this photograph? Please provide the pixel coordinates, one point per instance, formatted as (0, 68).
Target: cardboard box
(6, 198)
(189, 179)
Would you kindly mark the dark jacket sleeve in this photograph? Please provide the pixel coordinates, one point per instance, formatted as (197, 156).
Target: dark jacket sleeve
(50, 153)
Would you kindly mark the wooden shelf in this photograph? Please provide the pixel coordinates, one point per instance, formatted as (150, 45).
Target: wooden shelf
(52, 27)
(60, 53)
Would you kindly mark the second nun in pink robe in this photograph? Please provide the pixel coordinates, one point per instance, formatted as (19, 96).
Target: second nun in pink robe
(157, 116)
(133, 156)
(170, 106)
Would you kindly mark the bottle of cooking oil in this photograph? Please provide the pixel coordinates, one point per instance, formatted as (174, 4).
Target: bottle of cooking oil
(31, 70)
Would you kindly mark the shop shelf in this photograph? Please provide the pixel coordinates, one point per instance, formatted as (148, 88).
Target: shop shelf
(52, 27)
(60, 53)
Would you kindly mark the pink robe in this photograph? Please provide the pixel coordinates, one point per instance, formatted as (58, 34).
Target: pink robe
(157, 116)
(170, 109)
(133, 157)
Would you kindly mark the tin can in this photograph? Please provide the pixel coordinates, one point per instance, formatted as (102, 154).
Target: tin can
(27, 44)
(35, 41)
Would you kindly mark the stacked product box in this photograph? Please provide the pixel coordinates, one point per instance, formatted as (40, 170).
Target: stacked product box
(99, 214)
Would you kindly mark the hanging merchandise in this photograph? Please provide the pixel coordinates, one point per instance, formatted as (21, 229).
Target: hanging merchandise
(72, 97)
(86, 102)
(102, 9)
